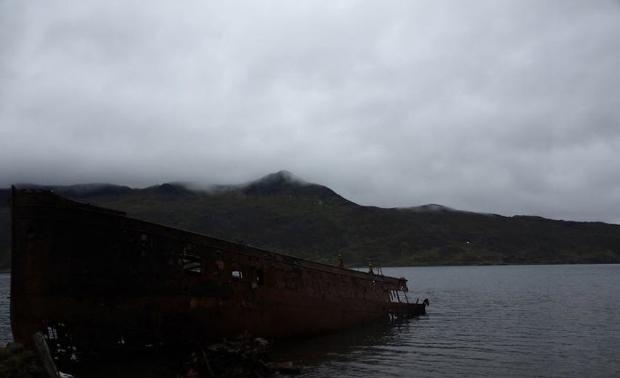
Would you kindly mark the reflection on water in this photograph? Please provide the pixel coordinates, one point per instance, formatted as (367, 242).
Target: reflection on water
(343, 343)
(554, 321)
(356, 352)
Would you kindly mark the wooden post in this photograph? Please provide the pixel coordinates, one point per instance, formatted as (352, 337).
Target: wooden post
(45, 356)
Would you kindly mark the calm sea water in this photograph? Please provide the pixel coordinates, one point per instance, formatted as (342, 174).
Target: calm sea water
(547, 321)
(5, 300)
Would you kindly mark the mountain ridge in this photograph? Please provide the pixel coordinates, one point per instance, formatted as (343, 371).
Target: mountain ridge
(283, 213)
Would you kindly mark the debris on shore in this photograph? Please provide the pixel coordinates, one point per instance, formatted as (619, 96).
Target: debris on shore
(239, 357)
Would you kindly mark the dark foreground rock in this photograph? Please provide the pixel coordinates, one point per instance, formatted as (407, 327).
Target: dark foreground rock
(18, 362)
(240, 357)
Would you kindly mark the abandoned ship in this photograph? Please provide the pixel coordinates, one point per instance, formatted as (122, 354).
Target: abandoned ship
(98, 279)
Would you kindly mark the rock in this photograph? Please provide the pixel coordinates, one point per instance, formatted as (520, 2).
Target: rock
(19, 362)
(14, 347)
(239, 357)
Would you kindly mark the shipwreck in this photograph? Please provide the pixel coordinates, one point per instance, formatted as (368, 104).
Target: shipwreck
(91, 278)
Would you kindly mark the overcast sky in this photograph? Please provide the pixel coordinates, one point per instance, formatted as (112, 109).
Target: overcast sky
(510, 107)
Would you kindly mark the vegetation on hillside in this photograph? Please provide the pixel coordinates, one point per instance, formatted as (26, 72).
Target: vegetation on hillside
(284, 214)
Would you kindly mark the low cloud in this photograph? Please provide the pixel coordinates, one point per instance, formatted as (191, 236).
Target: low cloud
(510, 107)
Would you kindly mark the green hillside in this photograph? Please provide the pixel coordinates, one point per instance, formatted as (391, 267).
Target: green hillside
(283, 214)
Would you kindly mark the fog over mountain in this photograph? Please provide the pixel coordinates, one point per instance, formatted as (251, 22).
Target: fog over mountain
(283, 213)
(509, 107)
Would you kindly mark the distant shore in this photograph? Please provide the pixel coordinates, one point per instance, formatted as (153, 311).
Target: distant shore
(430, 265)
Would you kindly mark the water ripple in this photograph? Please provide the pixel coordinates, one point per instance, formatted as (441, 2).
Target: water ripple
(508, 321)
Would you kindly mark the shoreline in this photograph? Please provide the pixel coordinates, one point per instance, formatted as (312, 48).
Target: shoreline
(4, 271)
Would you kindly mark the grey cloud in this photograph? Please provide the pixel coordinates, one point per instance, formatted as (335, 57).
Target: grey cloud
(497, 106)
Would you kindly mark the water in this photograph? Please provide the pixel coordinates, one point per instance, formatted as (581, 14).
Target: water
(5, 300)
(551, 321)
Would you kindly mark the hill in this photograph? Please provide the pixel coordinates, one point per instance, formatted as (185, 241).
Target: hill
(282, 213)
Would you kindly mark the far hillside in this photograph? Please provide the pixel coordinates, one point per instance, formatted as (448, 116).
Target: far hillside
(282, 213)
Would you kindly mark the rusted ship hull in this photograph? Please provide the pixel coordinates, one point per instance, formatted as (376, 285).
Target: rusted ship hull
(102, 279)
